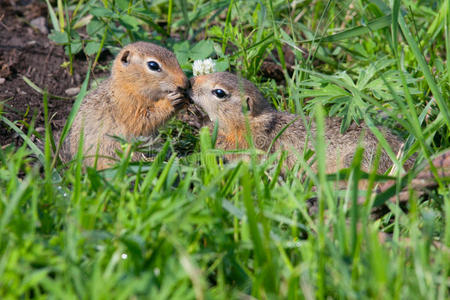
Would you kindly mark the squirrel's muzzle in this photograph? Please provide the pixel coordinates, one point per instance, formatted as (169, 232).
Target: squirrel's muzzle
(185, 92)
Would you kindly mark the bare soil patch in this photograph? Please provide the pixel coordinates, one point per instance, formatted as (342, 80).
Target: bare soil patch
(26, 51)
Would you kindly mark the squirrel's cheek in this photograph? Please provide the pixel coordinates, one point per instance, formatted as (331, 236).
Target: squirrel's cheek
(167, 87)
(152, 94)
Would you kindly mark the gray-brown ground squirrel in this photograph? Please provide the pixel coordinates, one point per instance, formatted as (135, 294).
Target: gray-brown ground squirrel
(222, 96)
(146, 87)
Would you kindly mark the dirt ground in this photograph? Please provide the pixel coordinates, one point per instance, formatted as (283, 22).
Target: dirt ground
(26, 51)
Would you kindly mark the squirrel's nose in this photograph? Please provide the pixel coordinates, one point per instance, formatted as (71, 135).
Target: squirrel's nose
(185, 85)
(188, 84)
(185, 90)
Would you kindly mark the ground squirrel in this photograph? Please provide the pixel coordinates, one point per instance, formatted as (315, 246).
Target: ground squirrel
(146, 87)
(225, 97)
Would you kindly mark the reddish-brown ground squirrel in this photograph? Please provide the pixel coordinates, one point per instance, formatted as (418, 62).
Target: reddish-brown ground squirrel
(146, 87)
(224, 96)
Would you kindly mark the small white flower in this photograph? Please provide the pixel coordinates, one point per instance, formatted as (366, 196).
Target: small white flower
(203, 67)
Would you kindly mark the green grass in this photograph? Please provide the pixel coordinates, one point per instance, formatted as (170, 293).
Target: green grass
(192, 227)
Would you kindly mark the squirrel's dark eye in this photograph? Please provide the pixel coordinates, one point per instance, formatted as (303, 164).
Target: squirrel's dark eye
(154, 66)
(219, 93)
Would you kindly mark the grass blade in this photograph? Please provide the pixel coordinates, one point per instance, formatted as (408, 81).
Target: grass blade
(447, 41)
(72, 114)
(25, 138)
(374, 25)
(187, 23)
(321, 158)
(41, 91)
(61, 15)
(394, 25)
(13, 203)
(53, 17)
(423, 65)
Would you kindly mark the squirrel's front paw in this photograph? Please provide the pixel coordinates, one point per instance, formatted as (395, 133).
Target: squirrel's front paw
(178, 100)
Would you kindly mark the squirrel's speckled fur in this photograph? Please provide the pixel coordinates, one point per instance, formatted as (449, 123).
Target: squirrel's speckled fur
(265, 123)
(133, 102)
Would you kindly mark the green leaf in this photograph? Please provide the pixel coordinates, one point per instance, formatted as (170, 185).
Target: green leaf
(147, 18)
(59, 37)
(182, 52)
(92, 48)
(130, 22)
(202, 50)
(94, 27)
(122, 4)
(76, 47)
(222, 65)
(101, 12)
(215, 31)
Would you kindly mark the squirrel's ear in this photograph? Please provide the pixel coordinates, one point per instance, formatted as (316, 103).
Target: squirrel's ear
(250, 103)
(125, 59)
(247, 104)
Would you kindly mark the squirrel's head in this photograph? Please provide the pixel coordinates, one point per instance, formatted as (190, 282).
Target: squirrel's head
(150, 71)
(225, 97)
